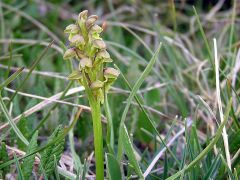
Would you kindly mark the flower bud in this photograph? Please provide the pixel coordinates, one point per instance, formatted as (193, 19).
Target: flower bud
(70, 53)
(96, 29)
(91, 20)
(96, 85)
(111, 73)
(89, 49)
(94, 32)
(104, 56)
(75, 75)
(85, 62)
(77, 40)
(72, 28)
(83, 15)
(79, 53)
(99, 44)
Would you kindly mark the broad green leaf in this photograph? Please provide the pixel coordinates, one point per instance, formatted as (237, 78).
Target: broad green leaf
(113, 168)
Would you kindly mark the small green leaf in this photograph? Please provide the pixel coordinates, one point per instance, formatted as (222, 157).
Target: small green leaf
(19, 170)
(22, 126)
(56, 149)
(113, 168)
(4, 158)
(28, 162)
(128, 147)
(56, 169)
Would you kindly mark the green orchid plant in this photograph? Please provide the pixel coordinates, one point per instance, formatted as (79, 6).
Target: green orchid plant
(88, 48)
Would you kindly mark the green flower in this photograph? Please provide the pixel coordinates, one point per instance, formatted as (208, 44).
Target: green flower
(87, 46)
(70, 53)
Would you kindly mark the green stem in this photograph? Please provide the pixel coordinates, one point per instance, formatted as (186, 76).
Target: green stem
(97, 129)
(98, 138)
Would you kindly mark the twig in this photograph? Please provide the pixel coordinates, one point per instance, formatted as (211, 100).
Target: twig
(32, 42)
(224, 133)
(45, 103)
(154, 161)
(42, 73)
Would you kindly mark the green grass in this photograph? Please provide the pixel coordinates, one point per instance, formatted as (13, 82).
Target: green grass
(173, 112)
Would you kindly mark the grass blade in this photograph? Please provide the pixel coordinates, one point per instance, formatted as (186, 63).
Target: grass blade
(150, 121)
(13, 125)
(20, 174)
(208, 148)
(77, 161)
(224, 133)
(213, 169)
(139, 83)
(204, 38)
(11, 78)
(133, 93)
(35, 63)
(110, 128)
(128, 147)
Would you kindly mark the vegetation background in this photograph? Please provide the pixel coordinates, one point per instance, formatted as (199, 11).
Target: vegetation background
(175, 122)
